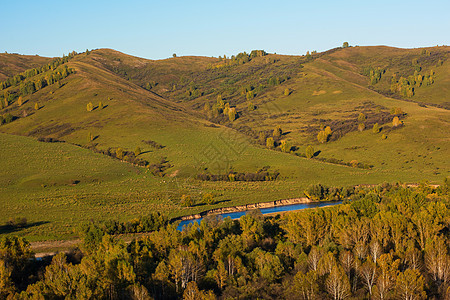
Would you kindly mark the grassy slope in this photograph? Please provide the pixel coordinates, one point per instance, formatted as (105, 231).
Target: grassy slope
(322, 90)
(12, 64)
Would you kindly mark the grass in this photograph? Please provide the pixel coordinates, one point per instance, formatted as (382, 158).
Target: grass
(56, 186)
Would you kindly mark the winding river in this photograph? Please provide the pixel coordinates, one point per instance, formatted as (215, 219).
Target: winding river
(264, 211)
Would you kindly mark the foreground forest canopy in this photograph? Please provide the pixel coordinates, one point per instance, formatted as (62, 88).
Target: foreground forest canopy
(384, 242)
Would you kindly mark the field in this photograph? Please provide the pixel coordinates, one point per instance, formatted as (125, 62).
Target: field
(58, 185)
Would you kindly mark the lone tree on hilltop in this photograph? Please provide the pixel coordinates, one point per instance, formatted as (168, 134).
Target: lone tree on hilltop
(345, 45)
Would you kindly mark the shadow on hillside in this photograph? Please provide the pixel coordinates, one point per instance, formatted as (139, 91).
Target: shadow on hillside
(143, 152)
(10, 228)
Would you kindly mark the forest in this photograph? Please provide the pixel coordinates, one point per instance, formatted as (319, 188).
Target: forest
(389, 241)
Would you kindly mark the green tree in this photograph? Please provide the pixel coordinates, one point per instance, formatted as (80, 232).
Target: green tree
(6, 284)
(309, 151)
(277, 132)
(119, 153)
(361, 127)
(396, 122)
(322, 137)
(361, 118)
(337, 284)
(137, 151)
(270, 143)
(250, 95)
(376, 128)
(410, 285)
(232, 114)
(284, 146)
(345, 45)
(186, 200)
(208, 198)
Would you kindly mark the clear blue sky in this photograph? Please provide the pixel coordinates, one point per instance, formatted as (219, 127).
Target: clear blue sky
(156, 29)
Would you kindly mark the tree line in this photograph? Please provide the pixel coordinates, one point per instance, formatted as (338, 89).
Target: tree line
(385, 242)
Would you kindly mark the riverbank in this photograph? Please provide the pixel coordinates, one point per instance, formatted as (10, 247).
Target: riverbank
(239, 208)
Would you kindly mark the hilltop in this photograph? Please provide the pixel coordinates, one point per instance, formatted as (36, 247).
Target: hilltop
(197, 118)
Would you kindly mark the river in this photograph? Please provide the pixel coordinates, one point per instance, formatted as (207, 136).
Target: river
(264, 211)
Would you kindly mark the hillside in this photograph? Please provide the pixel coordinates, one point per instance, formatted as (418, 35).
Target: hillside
(12, 64)
(192, 116)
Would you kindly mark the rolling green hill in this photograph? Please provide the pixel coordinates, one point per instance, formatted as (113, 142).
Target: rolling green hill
(159, 106)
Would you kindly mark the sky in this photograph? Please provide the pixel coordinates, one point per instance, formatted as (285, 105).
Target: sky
(157, 29)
